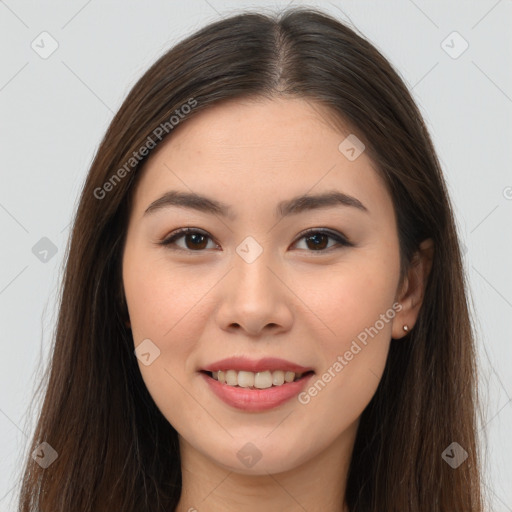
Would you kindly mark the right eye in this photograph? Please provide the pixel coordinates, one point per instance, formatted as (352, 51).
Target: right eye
(195, 240)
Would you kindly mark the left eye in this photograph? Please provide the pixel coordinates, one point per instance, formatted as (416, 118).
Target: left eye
(196, 240)
(318, 240)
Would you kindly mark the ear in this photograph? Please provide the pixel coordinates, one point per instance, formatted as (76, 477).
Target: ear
(411, 294)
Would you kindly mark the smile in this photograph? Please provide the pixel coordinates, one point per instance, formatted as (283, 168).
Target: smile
(258, 380)
(251, 398)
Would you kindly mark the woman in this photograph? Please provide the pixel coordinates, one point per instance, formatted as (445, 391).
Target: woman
(264, 302)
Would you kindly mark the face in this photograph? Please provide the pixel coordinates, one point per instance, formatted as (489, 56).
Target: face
(312, 283)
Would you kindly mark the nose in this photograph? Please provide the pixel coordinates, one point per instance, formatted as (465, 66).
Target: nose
(255, 298)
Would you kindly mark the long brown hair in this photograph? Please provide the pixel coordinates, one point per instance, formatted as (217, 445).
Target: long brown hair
(116, 451)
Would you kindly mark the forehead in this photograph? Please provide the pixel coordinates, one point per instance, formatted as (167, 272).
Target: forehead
(246, 151)
(275, 130)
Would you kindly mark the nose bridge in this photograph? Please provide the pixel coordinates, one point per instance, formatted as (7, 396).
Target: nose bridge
(252, 263)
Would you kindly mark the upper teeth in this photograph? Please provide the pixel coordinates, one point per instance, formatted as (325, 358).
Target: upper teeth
(260, 380)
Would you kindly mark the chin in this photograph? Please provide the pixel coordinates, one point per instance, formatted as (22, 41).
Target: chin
(257, 456)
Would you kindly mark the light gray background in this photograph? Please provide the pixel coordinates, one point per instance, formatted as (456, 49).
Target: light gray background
(54, 112)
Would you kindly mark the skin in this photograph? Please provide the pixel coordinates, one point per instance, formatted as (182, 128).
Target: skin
(294, 302)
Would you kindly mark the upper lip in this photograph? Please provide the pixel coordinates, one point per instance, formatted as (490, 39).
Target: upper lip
(260, 365)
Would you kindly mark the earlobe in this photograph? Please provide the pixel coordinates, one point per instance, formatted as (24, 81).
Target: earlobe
(401, 327)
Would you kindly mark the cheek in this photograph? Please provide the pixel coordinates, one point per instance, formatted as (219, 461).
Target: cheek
(160, 304)
(161, 297)
(353, 309)
(356, 312)
(165, 306)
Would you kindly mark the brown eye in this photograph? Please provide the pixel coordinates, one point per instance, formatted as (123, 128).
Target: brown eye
(318, 241)
(194, 240)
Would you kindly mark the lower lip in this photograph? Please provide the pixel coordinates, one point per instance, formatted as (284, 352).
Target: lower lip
(256, 399)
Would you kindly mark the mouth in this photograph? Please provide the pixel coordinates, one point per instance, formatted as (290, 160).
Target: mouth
(256, 392)
(256, 380)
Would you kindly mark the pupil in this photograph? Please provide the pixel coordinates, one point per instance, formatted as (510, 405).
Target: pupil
(316, 242)
(196, 240)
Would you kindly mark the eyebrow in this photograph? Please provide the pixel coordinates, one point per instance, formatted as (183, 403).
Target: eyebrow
(285, 208)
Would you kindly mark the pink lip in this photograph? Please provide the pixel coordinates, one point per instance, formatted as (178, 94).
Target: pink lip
(261, 365)
(256, 400)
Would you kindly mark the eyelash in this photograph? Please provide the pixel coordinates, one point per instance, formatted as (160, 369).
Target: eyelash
(176, 235)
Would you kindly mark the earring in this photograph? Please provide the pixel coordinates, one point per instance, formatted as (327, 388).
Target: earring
(406, 329)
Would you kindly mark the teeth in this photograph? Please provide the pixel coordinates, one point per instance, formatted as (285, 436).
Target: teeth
(259, 380)
(277, 378)
(246, 379)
